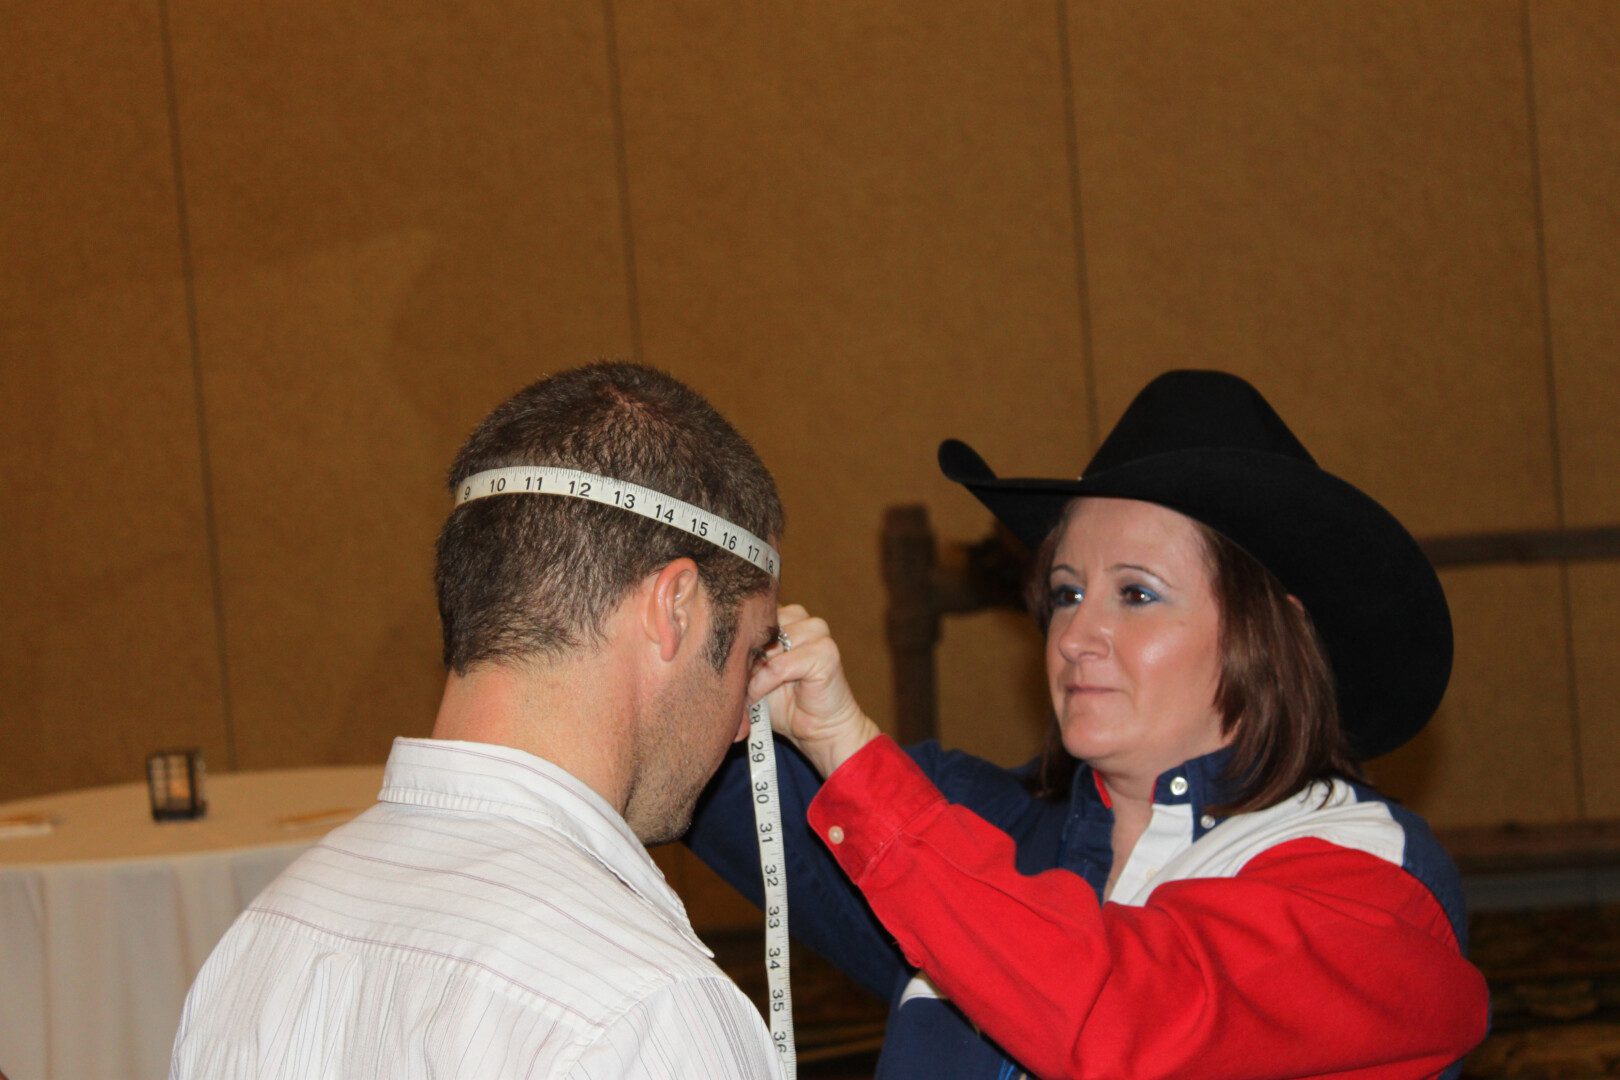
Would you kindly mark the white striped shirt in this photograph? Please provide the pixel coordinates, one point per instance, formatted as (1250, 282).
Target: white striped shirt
(491, 916)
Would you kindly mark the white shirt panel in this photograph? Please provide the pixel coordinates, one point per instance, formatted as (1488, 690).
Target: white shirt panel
(1164, 838)
(492, 917)
(1329, 812)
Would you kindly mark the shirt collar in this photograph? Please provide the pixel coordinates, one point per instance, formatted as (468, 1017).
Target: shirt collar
(500, 780)
(1198, 781)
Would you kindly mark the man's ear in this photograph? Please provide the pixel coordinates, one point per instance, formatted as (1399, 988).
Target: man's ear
(669, 606)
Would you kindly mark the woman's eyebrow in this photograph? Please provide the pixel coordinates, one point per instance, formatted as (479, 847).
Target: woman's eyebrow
(1142, 570)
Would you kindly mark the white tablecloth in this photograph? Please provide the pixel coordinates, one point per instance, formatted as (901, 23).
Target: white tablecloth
(106, 918)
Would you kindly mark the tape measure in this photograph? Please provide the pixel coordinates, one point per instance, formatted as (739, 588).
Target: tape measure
(773, 873)
(767, 802)
(573, 484)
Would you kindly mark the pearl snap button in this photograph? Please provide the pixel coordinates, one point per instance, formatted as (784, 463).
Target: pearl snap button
(1178, 786)
(1207, 821)
(836, 834)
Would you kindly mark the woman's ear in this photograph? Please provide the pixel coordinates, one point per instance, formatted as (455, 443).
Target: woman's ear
(669, 604)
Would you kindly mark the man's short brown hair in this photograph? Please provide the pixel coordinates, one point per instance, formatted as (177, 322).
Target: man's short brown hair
(534, 576)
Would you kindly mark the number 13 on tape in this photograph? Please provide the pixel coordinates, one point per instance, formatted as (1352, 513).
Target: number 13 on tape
(773, 872)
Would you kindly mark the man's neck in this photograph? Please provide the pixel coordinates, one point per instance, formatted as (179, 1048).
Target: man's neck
(575, 713)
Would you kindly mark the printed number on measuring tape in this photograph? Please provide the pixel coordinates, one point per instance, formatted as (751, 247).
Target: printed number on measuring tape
(773, 872)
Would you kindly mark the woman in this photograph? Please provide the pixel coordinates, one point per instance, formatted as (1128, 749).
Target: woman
(1194, 882)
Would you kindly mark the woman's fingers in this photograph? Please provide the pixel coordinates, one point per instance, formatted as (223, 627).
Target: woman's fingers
(810, 698)
(810, 654)
(797, 627)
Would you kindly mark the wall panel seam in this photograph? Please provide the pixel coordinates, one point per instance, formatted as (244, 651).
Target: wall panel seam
(622, 156)
(1071, 132)
(188, 278)
(1544, 287)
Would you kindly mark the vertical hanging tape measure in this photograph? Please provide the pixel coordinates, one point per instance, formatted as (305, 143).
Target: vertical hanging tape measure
(574, 484)
(773, 872)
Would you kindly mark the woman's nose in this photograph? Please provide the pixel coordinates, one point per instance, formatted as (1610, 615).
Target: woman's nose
(1081, 633)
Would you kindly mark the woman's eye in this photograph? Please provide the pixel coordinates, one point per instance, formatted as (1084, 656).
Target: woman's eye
(1064, 595)
(1137, 594)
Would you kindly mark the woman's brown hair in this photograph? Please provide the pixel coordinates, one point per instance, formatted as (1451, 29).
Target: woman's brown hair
(1275, 695)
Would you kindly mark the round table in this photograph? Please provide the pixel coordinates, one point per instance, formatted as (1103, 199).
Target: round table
(106, 915)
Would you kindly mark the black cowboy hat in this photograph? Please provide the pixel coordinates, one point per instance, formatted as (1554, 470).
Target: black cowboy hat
(1207, 445)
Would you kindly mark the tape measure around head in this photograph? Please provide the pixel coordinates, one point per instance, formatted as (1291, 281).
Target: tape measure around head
(773, 872)
(573, 484)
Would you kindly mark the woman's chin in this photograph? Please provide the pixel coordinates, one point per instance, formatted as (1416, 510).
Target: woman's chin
(1090, 745)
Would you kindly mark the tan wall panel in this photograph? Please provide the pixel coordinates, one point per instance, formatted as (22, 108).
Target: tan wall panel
(105, 601)
(1577, 68)
(1577, 71)
(1501, 747)
(1335, 200)
(853, 230)
(86, 169)
(400, 216)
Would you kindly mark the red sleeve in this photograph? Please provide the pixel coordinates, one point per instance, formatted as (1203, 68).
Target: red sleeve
(1315, 960)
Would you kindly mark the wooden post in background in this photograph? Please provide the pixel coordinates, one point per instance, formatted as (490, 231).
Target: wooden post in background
(911, 622)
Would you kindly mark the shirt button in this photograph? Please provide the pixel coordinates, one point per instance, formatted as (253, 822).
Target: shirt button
(836, 834)
(1178, 786)
(1207, 821)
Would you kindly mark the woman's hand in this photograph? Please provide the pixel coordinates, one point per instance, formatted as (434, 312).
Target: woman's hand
(811, 703)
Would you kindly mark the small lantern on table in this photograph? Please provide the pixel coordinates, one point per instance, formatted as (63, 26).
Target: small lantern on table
(174, 780)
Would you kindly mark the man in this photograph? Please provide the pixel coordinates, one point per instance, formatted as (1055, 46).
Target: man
(494, 915)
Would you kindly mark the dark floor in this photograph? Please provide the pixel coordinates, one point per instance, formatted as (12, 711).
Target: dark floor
(1555, 993)
(856, 1067)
